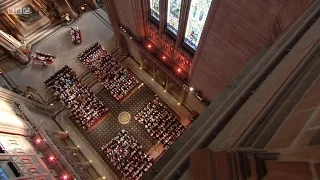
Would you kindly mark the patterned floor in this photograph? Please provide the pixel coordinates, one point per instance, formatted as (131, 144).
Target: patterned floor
(109, 128)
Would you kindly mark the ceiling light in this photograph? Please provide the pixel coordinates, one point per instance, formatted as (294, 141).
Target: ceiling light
(191, 89)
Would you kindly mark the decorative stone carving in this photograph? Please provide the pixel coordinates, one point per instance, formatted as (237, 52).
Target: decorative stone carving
(152, 33)
(167, 45)
(184, 59)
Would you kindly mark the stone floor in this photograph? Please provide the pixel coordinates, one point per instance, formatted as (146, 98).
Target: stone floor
(111, 126)
(93, 29)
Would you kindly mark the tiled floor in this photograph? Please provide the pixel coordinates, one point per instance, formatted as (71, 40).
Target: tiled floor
(59, 44)
(109, 128)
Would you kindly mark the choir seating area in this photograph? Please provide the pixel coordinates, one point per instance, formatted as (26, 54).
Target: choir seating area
(86, 110)
(126, 156)
(118, 80)
(160, 122)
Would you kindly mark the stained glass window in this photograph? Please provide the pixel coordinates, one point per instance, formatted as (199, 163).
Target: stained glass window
(3, 175)
(173, 15)
(155, 9)
(197, 17)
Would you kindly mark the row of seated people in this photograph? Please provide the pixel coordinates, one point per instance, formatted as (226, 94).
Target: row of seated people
(118, 80)
(75, 35)
(160, 122)
(46, 55)
(84, 106)
(43, 58)
(127, 156)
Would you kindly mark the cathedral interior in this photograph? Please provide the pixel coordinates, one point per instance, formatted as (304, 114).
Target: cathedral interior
(159, 89)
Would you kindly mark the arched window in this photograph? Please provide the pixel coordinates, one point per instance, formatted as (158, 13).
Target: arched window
(173, 15)
(155, 9)
(196, 19)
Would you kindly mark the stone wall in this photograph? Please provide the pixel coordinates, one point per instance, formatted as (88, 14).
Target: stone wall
(238, 31)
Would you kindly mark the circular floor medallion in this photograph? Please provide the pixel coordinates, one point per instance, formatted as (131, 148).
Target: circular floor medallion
(124, 117)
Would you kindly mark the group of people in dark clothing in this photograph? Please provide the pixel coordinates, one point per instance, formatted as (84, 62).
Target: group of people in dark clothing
(161, 124)
(75, 35)
(85, 107)
(118, 80)
(127, 156)
(43, 58)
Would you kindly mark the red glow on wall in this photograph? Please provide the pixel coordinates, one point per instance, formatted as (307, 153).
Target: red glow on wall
(38, 140)
(51, 158)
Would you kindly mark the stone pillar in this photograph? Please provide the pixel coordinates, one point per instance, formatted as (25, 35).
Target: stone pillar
(61, 135)
(70, 149)
(183, 95)
(20, 56)
(83, 165)
(182, 22)
(115, 22)
(67, 7)
(93, 4)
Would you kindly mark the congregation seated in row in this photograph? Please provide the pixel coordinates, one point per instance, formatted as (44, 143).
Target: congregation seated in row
(118, 80)
(84, 106)
(75, 35)
(43, 58)
(160, 122)
(127, 156)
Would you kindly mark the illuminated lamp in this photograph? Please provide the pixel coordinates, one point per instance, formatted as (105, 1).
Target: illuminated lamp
(51, 158)
(149, 46)
(179, 69)
(65, 177)
(191, 89)
(163, 57)
(38, 140)
(179, 104)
